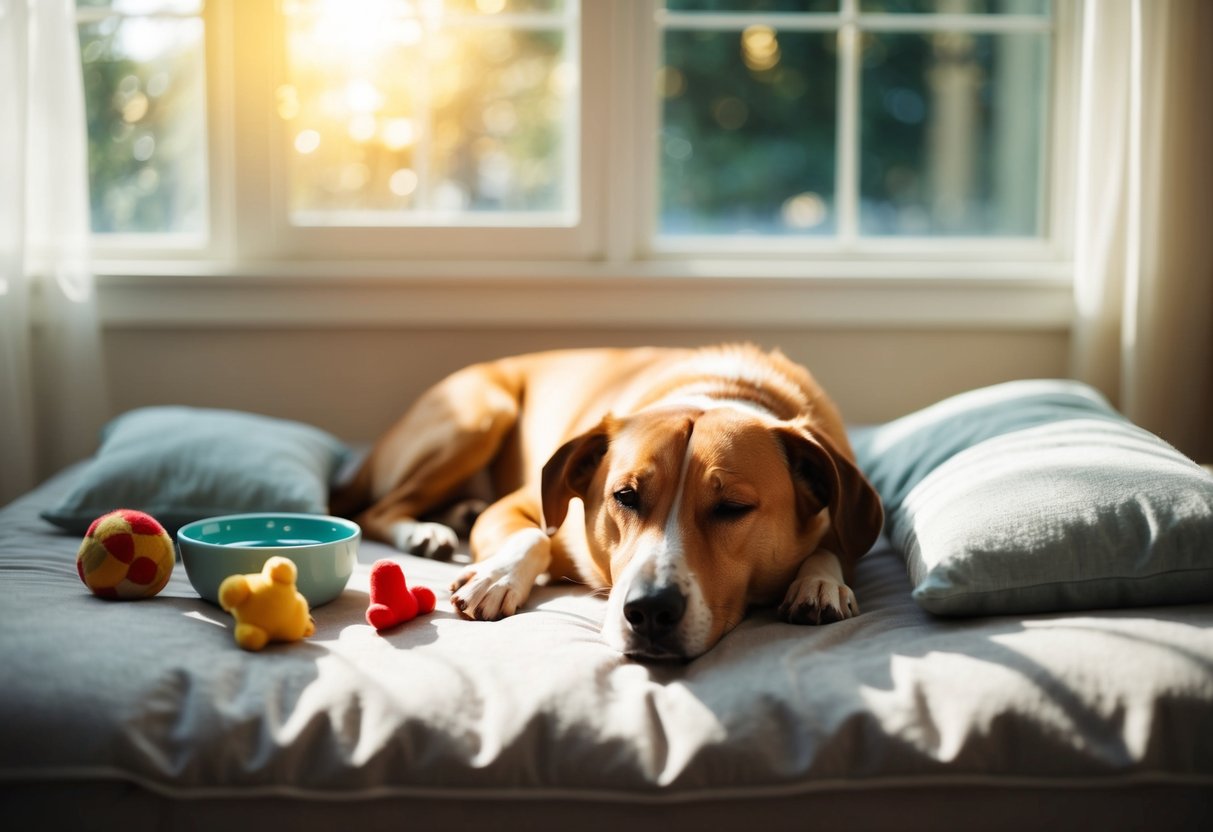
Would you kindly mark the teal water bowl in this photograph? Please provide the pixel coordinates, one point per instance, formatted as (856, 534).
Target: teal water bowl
(323, 548)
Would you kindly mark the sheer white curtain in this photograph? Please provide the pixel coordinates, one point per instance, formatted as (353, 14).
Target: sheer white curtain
(1144, 225)
(52, 392)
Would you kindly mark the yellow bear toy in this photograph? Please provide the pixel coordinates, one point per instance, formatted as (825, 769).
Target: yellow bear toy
(267, 606)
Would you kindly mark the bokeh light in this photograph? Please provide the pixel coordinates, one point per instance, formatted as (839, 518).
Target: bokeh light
(307, 141)
(760, 48)
(804, 211)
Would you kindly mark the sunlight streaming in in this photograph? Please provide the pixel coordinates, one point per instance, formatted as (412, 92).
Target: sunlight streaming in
(402, 108)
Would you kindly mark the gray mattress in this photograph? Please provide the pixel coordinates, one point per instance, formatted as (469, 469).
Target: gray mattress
(146, 715)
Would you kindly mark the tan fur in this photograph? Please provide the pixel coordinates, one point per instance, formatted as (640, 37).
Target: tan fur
(716, 430)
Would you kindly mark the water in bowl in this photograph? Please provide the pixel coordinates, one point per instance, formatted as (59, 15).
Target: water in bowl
(277, 541)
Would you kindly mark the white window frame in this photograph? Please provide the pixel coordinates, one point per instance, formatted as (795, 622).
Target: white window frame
(608, 269)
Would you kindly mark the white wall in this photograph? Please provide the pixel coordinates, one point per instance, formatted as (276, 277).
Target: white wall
(355, 382)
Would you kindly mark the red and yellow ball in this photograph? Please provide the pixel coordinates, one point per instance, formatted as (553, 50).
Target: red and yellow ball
(125, 555)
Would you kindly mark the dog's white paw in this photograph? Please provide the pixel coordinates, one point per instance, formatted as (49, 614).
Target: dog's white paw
(496, 587)
(488, 594)
(427, 540)
(818, 600)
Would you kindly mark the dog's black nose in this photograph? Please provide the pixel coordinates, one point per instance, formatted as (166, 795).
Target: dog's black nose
(654, 612)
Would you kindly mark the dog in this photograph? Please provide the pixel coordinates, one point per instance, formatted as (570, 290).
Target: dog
(693, 483)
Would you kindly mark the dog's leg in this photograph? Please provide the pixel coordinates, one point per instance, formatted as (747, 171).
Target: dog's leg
(450, 434)
(511, 552)
(819, 594)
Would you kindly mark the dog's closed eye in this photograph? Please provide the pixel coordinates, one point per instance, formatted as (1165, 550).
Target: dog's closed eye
(729, 510)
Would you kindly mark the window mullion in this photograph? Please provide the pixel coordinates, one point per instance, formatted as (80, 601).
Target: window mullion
(847, 176)
(253, 35)
(221, 150)
(574, 185)
(628, 144)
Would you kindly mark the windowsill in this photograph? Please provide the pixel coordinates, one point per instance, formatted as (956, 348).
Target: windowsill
(682, 293)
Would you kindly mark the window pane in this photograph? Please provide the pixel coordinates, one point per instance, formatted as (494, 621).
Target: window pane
(353, 121)
(395, 117)
(952, 133)
(747, 143)
(498, 119)
(145, 99)
(1032, 7)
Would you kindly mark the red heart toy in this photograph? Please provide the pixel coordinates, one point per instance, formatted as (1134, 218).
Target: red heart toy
(392, 602)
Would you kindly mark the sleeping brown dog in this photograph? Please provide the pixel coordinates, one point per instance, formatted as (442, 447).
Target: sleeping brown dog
(692, 483)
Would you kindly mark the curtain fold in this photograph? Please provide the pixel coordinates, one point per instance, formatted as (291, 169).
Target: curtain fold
(1143, 332)
(52, 384)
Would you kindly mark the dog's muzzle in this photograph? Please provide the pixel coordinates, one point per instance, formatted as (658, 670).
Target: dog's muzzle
(653, 614)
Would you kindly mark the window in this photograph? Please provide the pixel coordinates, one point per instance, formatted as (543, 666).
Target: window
(588, 139)
(145, 96)
(404, 112)
(869, 118)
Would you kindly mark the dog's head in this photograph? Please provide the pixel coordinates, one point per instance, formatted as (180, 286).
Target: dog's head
(692, 515)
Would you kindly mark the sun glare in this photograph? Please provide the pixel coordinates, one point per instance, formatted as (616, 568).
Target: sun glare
(416, 104)
(341, 32)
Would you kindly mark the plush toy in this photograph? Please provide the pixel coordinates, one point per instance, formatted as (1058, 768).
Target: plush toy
(267, 606)
(392, 602)
(125, 555)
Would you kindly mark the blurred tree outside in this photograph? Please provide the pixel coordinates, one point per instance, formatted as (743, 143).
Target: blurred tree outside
(951, 124)
(748, 136)
(145, 105)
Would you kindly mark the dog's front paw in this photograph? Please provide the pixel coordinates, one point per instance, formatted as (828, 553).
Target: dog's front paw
(497, 587)
(818, 600)
(427, 540)
(488, 594)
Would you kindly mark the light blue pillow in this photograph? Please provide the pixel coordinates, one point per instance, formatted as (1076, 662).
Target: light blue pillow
(181, 464)
(1037, 496)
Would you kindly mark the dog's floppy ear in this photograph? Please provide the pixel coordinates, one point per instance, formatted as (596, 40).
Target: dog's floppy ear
(569, 472)
(823, 476)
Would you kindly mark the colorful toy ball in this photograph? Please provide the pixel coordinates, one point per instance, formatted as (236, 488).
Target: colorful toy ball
(125, 555)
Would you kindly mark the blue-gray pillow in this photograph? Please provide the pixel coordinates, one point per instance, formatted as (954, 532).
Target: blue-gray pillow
(181, 464)
(1037, 496)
